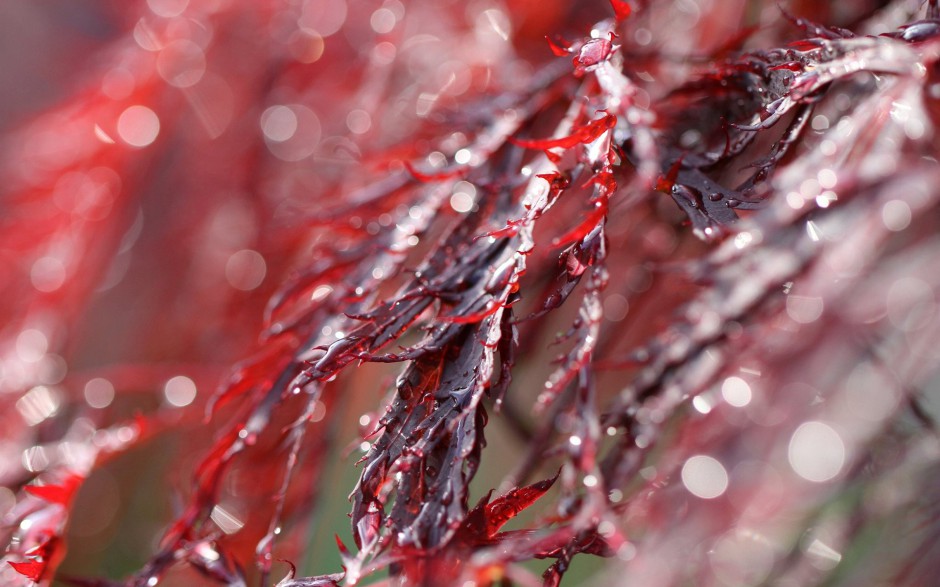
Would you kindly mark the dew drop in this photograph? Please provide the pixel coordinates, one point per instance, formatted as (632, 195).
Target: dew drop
(167, 8)
(896, 215)
(736, 392)
(38, 404)
(702, 404)
(47, 274)
(704, 477)
(180, 391)
(816, 452)
(461, 202)
(320, 292)
(358, 122)
(31, 345)
(742, 557)
(823, 556)
(181, 64)
(383, 21)
(804, 309)
(138, 126)
(99, 393)
(245, 270)
(627, 551)
(743, 239)
(278, 123)
(226, 519)
(615, 307)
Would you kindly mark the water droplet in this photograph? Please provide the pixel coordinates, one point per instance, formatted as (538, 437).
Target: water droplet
(292, 132)
(383, 21)
(743, 239)
(325, 17)
(464, 198)
(704, 477)
(38, 404)
(702, 404)
(742, 557)
(47, 274)
(31, 345)
(358, 122)
(180, 391)
(138, 126)
(896, 215)
(804, 309)
(167, 8)
(615, 307)
(99, 393)
(820, 122)
(627, 551)
(278, 123)
(736, 392)
(816, 452)
(319, 412)
(245, 270)
(823, 556)
(320, 292)
(181, 63)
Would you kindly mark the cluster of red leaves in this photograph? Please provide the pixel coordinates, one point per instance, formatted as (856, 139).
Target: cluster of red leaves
(794, 252)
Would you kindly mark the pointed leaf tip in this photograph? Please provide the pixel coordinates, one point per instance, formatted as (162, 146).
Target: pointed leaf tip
(60, 494)
(508, 506)
(622, 9)
(32, 570)
(559, 47)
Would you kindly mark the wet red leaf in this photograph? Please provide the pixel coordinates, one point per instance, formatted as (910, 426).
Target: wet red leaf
(593, 52)
(436, 176)
(506, 507)
(32, 570)
(61, 494)
(622, 9)
(585, 134)
(559, 47)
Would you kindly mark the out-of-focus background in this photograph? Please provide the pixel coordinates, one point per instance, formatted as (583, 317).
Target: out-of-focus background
(45, 49)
